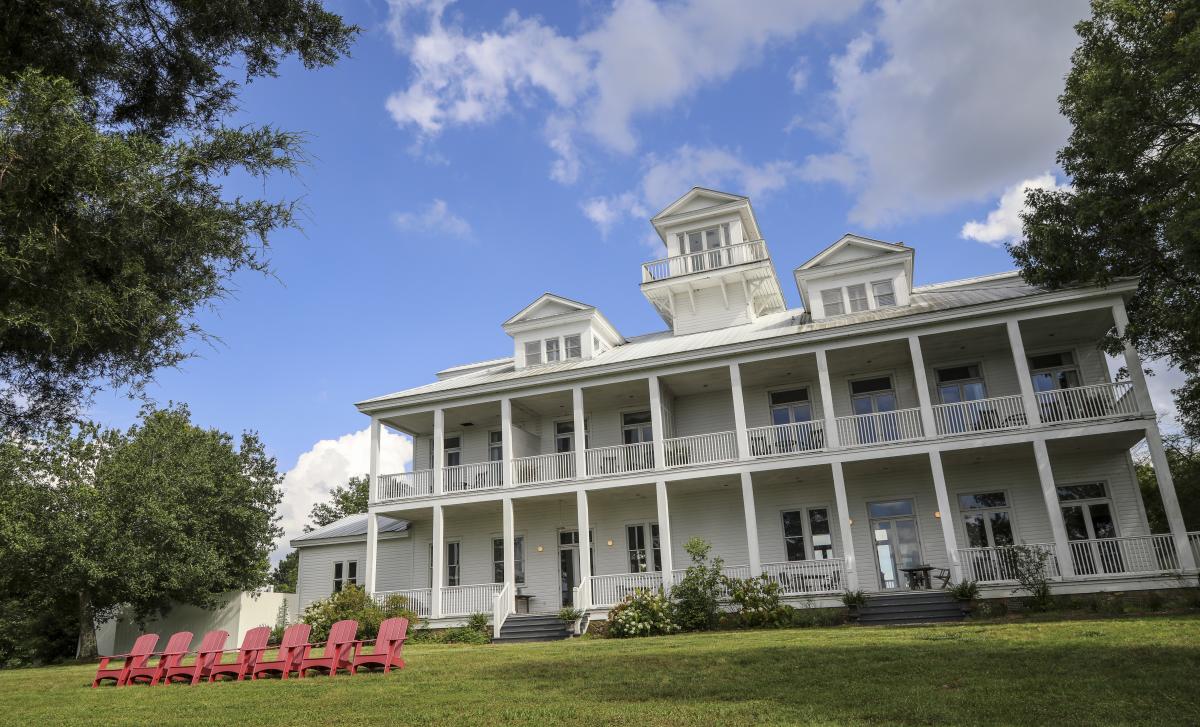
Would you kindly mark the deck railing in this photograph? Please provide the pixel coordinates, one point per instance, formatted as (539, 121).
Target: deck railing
(1083, 403)
(799, 577)
(729, 571)
(1000, 564)
(701, 449)
(1118, 556)
(404, 484)
(981, 415)
(418, 598)
(786, 438)
(474, 476)
(620, 459)
(501, 606)
(544, 468)
(900, 425)
(699, 262)
(611, 589)
(466, 600)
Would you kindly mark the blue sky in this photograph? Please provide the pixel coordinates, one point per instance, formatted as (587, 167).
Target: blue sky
(472, 155)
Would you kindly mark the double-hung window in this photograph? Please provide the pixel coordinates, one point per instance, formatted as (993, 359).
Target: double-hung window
(345, 573)
(452, 451)
(790, 407)
(495, 446)
(1054, 371)
(643, 555)
(831, 301)
(551, 350)
(564, 437)
(884, 292)
(573, 346)
(533, 353)
(453, 563)
(807, 535)
(518, 559)
(636, 427)
(857, 294)
(987, 519)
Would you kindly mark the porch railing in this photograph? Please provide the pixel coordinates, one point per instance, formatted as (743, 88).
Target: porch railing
(620, 459)
(1082, 403)
(404, 484)
(1194, 541)
(418, 598)
(501, 606)
(981, 415)
(729, 571)
(466, 600)
(544, 468)
(612, 589)
(701, 449)
(698, 262)
(1000, 564)
(475, 476)
(799, 577)
(786, 438)
(1118, 556)
(900, 425)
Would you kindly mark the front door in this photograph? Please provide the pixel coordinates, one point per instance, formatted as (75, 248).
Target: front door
(568, 564)
(896, 540)
(1088, 525)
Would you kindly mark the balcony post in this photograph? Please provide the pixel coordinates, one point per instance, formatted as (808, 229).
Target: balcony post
(1166, 490)
(921, 382)
(579, 438)
(1133, 363)
(372, 552)
(831, 432)
(843, 509)
(438, 565)
(945, 514)
(751, 517)
(1062, 546)
(506, 442)
(583, 523)
(376, 435)
(739, 411)
(510, 552)
(439, 449)
(664, 535)
(1024, 378)
(656, 424)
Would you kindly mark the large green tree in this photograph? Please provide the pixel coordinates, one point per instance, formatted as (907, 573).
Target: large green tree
(348, 499)
(115, 228)
(1183, 457)
(1133, 99)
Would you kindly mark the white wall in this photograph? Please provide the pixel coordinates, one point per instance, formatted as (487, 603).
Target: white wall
(237, 613)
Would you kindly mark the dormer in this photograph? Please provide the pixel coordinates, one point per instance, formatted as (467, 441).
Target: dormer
(717, 271)
(856, 274)
(554, 329)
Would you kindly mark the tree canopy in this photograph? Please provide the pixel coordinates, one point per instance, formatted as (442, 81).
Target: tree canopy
(348, 499)
(1183, 457)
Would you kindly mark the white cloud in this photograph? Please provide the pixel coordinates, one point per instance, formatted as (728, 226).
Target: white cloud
(329, 463)
(799, 75)
(838, 168)
(436, 219)
(1003, 224)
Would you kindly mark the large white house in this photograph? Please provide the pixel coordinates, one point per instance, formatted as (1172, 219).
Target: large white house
(881, 428)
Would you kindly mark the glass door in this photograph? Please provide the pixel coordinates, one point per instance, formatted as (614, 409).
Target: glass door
(896, 541)
(874, 396)
(568, 564)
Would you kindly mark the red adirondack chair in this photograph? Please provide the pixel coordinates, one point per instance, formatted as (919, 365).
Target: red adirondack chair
(137, 657)
(388, 644)
(338, 653)
(253, 645)
(291, 651)
(209, 653)
(177, 648)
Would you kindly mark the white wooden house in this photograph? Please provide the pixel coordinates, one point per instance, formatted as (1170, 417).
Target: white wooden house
(881, 427)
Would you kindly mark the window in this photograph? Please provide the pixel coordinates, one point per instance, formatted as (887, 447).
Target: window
(822, 537)
(655, 546)
(790, 407)
(636, 427)
(641, 558)
(495, 446)
(819, 545)
(564, 437)
(960, 383)
(1054, 371)
(452, 451)
(986, 519)
(885, 294)
(573, 346)
(533, 353)
(869, 396)
(551, 350)
(1088, 516)
(518, 559)
(345, 573)
(793, 534)
(858, 298)
(453, 553)
(831, 300)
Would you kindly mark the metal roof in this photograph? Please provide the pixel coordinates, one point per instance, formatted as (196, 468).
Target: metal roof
(350, 526)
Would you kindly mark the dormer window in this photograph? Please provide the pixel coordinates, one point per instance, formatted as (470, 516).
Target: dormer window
(884, 292)
(573, 346)
(832, 301)
(858, 298)
(533, 353)
(551, 350)
(701, 240)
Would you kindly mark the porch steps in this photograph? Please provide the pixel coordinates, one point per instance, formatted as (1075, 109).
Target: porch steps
(518, 628)
(910, 608)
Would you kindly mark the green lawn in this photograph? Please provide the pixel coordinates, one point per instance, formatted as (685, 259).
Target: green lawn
(1121, 671)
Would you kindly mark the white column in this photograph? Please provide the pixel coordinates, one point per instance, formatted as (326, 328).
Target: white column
(372, 551)
(510, 552)
(439, 448)
(751, 517)
(580, 436)
(843, 508)
(664, 534)
(946, 515)
(439, 564)
(831, 433)
(656, 424)
(1024, 379)
(583, 522)
(1133, 363)
(1062, 546)
(922, 384)
(1166, 490)
(376, 434)
(739, 411)
(506, 441)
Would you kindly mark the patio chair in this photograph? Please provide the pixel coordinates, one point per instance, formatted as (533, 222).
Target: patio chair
(208, 654)
(137, 657)
(291, 651)
(338, 652)
(253, 646)
(388, 644)
(177, 648)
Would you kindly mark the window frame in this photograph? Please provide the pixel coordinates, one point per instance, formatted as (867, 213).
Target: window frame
(771, 407)
(937, 381)
(1075, 366)
(566, 347)
(841, 302)
(493, 444)
(534, 348)
(552, 344)
(807, 537)
(456, 543)
(964, 512)
(345, 574)
(891, 283)
(518, 559)
(446, 451)
(851, 298)
(652, 555)
(638, 426)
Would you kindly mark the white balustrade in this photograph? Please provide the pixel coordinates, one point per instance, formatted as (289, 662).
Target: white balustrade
(501, 607)
(882, 427)
(475, 476)
(980, 415)
(544, 468)
(701, 449)
(798, 577)
(1117, 556)
(620, 459)
(466, 600)
(403, 484)
(610, 590)
(794, 438)
(1194, 540)
(1001, 563)
(419, 599)
(1082, 403)
(729, 571)
(698, 262)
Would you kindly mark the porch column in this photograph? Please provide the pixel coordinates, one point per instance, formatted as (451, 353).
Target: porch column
(1166, 490)
(664, 535)
(583, 522)
(1024, 379)
(372, 552)
(506, 441)
(843, 509)
(372, 518)
(439, 566)
(751, 525)
(1133, 362)
(831, 433)
(1062, 547)
(946, 515)
(922, 384)
(439, 448)
(580, 436)
(376, 435)
(656, 424)
(510, 552)
(739, 411)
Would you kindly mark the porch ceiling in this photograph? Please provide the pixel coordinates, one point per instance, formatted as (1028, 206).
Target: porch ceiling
(779, 371)
(698, 382)
(954, 346)
(1088, 325)
(869, 359)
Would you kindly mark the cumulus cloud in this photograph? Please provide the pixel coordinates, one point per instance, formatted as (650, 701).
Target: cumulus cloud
(1003, 224)
(434, 219)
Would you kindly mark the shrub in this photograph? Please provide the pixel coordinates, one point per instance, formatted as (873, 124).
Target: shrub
(854, 598)
(570, 615)
(642, 613)
(757, 601)
(353, 602)
(696, 594)
(1030, 568)
(281, 623)
(465, 635)
(965, 590)
(478, 622)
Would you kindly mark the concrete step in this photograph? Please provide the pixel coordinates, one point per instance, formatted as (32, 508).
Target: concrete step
(906, 608)
(532, 628)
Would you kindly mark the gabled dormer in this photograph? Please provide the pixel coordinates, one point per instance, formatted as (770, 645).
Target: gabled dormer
(553, 329)
(716, 271)
(856, 274)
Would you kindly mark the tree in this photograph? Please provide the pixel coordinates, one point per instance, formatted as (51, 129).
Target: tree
(114, 227)
(348, 499)
(1183, 457)
(1133, 157)
(286, 572)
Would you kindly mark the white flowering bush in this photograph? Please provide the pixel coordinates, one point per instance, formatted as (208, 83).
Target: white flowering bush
(642, 613)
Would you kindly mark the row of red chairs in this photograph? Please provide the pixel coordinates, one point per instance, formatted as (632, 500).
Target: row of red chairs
(295, 656)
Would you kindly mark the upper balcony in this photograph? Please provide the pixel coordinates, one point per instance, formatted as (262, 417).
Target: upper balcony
(705, 261)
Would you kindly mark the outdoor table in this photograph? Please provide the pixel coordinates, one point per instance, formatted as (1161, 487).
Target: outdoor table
(918, 576)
